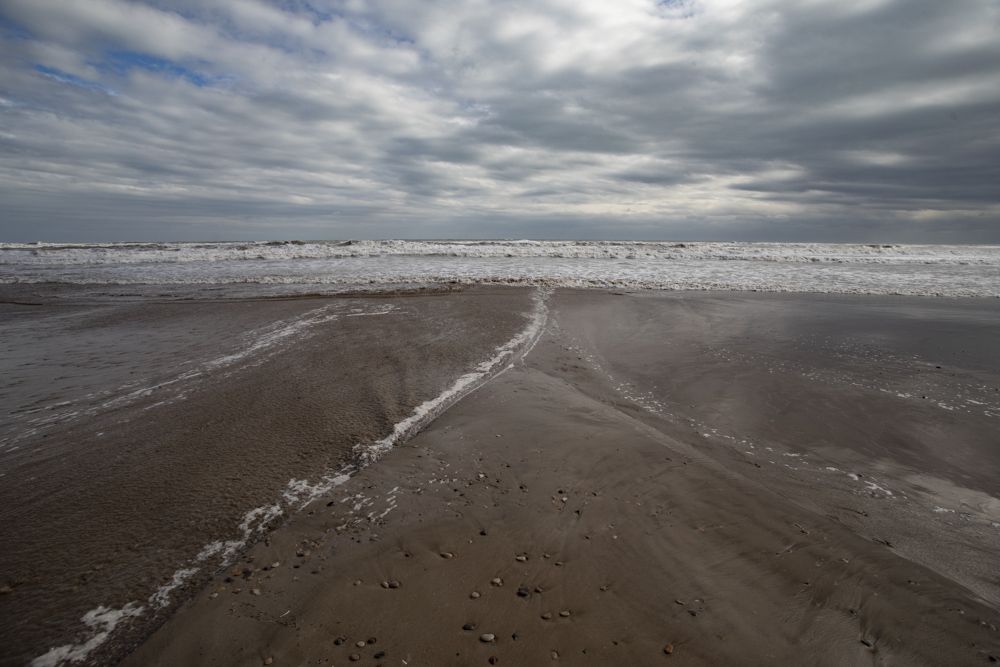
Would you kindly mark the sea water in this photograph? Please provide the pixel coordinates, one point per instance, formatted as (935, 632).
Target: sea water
(290, 266)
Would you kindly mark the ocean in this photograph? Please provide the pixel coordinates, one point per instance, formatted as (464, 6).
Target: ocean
(288, 267)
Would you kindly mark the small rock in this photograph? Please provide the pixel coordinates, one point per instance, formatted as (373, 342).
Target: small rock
(371, 640)
(564, 613)
(379, 655)
(255, 591)
(360, 644)
(494, 660)
(496, 581)
(339, 640)
(867, 643)
(269, 660)
(555, 655)
(276, 564)
(564, 499)
(354, 657)
(521, 559)
(668, 649)
(546, 556)
(523, 592)
(547, 616)
(357, 582)
(559, 563)
(483, 532)
(487, 638)
(474, 595)
(214, 595)
(604, 588)
(680, 602)
(446, 555)
(539, 589)
(469, 627)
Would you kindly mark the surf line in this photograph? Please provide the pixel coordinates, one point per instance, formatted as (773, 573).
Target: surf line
(299, 493)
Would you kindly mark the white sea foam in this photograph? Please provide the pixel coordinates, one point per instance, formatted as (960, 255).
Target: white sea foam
(103, 621)
(161, 598)
(947, 270)
(122, 253)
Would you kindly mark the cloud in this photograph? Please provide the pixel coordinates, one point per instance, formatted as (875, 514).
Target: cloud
(876, 119)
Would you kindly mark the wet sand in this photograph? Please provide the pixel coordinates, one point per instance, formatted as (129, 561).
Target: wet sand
(664, 478)
(697, 478)
(138, 431)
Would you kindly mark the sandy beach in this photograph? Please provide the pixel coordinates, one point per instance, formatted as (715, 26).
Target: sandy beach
(399, 333)
(653, 478)
(141, 431)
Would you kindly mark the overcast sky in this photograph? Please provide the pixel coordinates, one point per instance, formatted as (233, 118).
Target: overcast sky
(853, 120)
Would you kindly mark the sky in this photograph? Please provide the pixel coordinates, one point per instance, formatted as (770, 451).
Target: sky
(807, 120)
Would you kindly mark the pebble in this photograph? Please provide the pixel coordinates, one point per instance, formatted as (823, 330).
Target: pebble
(339, 640)
(559, 563)
(379, 655)
(604, 588)
(487, 638)
(371, 640)
(564, 613)
(496, 581)
(469, 627)
(354, 657)
(474, 595)
(523, 592)
(547, 616)
(360, 644)
(446, 554)
(521, 559)
(668, 649)
(256, 591)
(555, 655)
(214, 595)
(483, 533)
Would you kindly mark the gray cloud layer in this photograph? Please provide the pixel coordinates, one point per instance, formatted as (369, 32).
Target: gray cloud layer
(765, 119)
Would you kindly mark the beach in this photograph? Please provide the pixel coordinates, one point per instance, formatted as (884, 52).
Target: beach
(582, 475)
(148, 440)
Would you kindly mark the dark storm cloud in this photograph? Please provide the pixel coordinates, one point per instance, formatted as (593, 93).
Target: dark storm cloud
(869, 120)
